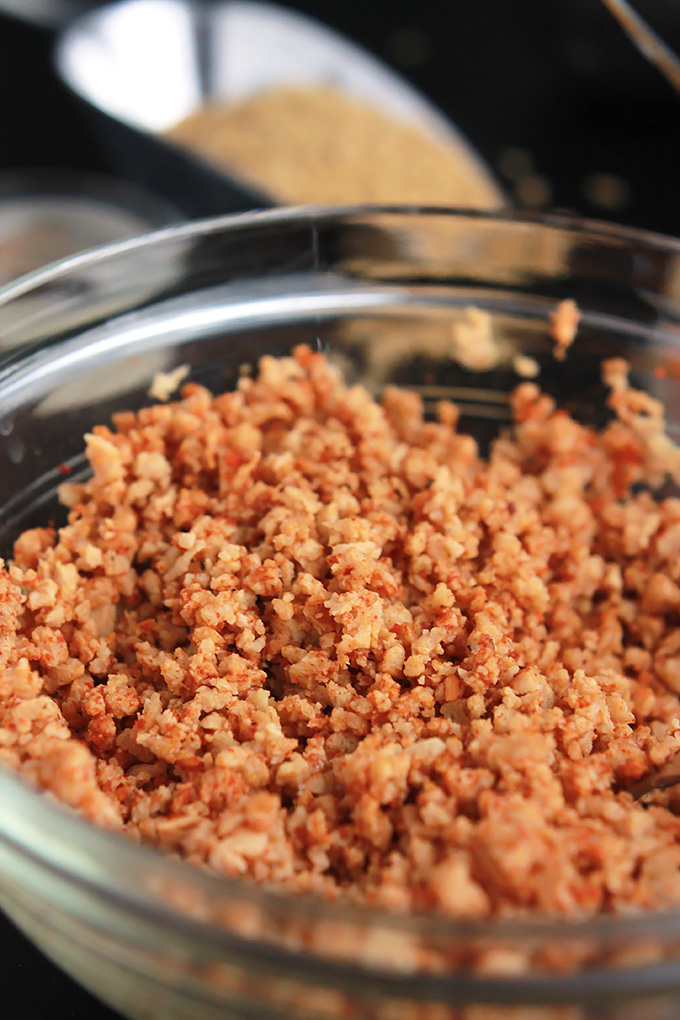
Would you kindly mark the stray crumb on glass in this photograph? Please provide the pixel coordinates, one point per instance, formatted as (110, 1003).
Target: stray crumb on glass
(526, 366)
(564, 325)
(164, 384)
(473, 343)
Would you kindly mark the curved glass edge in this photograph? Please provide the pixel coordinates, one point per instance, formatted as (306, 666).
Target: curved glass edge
(590, 228)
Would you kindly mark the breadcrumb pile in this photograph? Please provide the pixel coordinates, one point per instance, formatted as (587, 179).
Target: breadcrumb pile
(319, 144)
(297, 635)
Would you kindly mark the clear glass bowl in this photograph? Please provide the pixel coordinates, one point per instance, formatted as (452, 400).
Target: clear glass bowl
(380, 289)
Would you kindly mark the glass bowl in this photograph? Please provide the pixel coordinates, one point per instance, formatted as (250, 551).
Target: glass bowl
(380, 290)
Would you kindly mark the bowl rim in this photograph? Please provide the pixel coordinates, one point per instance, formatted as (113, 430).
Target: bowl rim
(35, 811)
(591, 228)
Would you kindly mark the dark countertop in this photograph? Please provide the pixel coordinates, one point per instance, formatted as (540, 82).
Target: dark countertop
(545, 90)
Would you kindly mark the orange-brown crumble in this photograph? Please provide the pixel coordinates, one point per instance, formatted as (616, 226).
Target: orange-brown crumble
(564, 321)
(297, 635)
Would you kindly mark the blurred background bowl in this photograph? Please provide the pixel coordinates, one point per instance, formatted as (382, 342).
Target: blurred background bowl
(46, 215)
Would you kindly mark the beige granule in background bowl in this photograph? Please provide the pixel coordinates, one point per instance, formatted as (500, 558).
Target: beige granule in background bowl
(297, 635)
(304, 144)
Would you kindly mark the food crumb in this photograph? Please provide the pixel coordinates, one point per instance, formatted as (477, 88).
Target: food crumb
(564, 321)
(473, 342)
(526, 366)
(164, 384)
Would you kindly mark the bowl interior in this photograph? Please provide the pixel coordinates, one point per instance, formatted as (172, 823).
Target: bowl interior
(384, 293)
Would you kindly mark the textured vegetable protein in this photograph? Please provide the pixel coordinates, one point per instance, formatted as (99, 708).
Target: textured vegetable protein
(297, 635)
(564, 322)
(317, 145)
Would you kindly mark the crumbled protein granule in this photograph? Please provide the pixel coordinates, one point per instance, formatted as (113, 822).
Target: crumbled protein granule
(164, 384)
(300, 636)
(473, 343)
(525, 366)
(564, 321)
(316, 144)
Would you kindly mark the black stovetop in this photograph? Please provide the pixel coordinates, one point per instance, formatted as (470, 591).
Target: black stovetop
(553, 87)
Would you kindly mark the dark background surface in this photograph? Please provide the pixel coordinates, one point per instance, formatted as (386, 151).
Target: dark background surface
(555, 79)
(550, 92)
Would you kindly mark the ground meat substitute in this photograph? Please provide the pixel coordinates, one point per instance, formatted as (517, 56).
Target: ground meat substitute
(297, 635)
